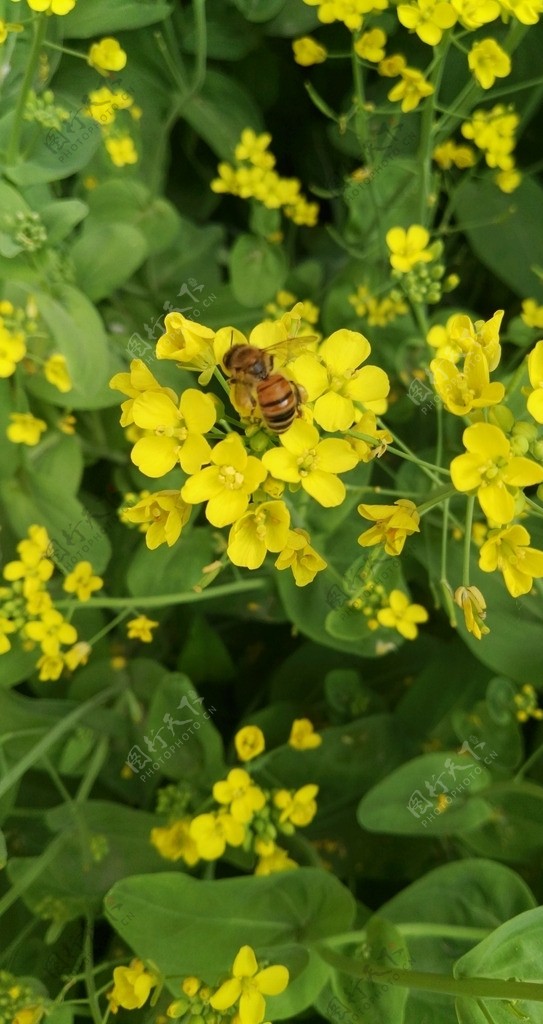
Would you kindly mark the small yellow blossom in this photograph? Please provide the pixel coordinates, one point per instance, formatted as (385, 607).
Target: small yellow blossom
(121, 150)
(300, 557)
(393, 524)
(408, 248)
(303, 735)
(303, 458)
(213, 832)
(508, 181)
(177, 436)
(508, 551)
(226, 485)
(107, 55)
(532, 313)
(475, 13)
(77, 655)
(50, 667)
(249, 985)
(50, 631)
(249, 742)
(272, 858)
(56, 372)
(488, 61)
(535, 373)
(141, 628)
(462, 391)
(401, 615)
(525, 11)
(137, 382)
(300, 807)
(12, 350)
(162, 514)
(174, 842)
(239, 793)
(132, 986)
(392, 66)
(371, 45)
(308, 51)
(526, 704)
(473, 605)
(25, 428)
(59, 7)
(104, 104)
(411, 89)
(490, 468)
(449, 154)
(67, 424)
(262, 529)
(428, 18)
(81, 581)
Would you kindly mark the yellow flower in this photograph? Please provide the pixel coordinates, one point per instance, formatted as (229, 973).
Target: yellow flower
(412, 88)
(371, 45)
(174, 842)
(51, 631)
(178, 431)
(303, 735)
(253, 147)
(508, 181)
(213, 832)
(526, 11)
(308, 51)
(239, 793)
(473, 605)
(439, 338)
(493, 131)
(132, 986)
(304, 459)
(104, 103)
(393, 524)
(25, 428)
(490, 468)
(367, 424)
(29, 1015)
(60, 7)
(526, 704)
(6, 626)
(249, 986)
(449, 153)
(535, 373)
(226, 485)
(56, 372)
(392, 66)
(107, 55)
(350, 12)
(121, 150)
(272, 858)
(337, 381)
(262, 529)
(249, 742)
(401, 615)
(532, 313)
(191, 986)
(12, 350)
(141, 629)
(81, 581)
(139, 381)
(408, 247)
(299, 807)
(463, 335)
(508, 550)
(67, 424)
(488, 61)
(474, 13)
(462, 391)
(50, 667)
(33, 568)
(164, 514)
(428, 18)
(77, 655)
(299, 556)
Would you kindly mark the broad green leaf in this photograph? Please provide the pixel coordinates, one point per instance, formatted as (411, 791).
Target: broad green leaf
(220, 112)
(98, 17)
(258, 270)
(384, 948)
(61, 216)
(431, 795)
(105, 256)
(294, 19)
(132, 203)
(513, 951)
(187, 926)
(171, 570)
(515, 831)
(52, 155)
(205, 656)
(259, 10)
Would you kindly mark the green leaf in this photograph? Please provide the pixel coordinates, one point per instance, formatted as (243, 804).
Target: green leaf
(100, 17)
(105, 256)
(132, 203)
(259, 10)
(258, 270)
(187, 926)
(505, 231)
(407, 801)
(61, 216)
(220, 112)
(512, 951)
(171, 570)
(515, 831)
(373, 1002)
(194, 746)
(205, 656)
(52, 156)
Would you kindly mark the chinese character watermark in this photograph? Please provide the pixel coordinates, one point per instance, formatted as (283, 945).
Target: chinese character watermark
(422, 807)
(138, 760)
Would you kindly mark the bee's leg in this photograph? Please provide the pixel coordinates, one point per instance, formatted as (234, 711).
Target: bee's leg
(301, 396)
(243, 399)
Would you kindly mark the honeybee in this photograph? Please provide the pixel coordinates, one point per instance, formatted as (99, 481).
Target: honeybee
(254, 384)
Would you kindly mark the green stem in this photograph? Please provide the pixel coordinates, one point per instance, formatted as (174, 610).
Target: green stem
(476, 988)
(32, 873)
(417, 929)
(165, 600)
(424, 158)
(111, 625)
(89, 975)
(199, 8)
(442, 494)
(443, 581)
(66, 50)
(39, 28)
(528, 764)
(93, 770)
(467, 541)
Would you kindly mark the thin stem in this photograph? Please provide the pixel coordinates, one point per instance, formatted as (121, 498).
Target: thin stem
(528, 764)
(32, 873)
(89, 975)
(443, 581)
(417, 929)
(427, 130)
(165, 600)
(467, 541)
(39, 28)
(111, 625)
(443, 494)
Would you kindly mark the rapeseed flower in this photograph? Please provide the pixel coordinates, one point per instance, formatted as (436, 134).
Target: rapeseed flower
(303, 735)
(470, 388)
(132, 986)
(163, 515)
(141, 628)
(240, 795)
(261, 529)
(213, 832)
(249, 742)
(174, 842)
(535, 372)
(401, 615)
(488, 62)
(407, 248)
(106, 55)
(473, 605)
(489, 468)
(226, 485)
(12, 350)
(532, 313)
(475, 13)
(188, 343)
(371, 45)
(25, 428)
(411, 89)
(137, 382)
(59, 7)
(82, 582)
(51, 631)
(449, 154)
(55, 370)
(308, 51)
(303, 458)
(428, 18)
(300, 557)
(249, 985)
(508, 551)
(393, 524)
(178, 429)
(272, 858)
(121, 150)
(297, 807)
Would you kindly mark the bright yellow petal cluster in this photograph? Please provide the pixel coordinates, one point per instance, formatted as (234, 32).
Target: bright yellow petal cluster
(175, 432)
(303, 458)
(350, 12)
(393, 524)
(141, 628)
(240, 795)
(526, 704)
(493, 132)
(488, 61)
(303, 735)
(162, 514)
(56, 371)
(307, 51)
(371, 45)
(212, 833)
(249, 742)
(132, 986)
(509, 552)
(227, 484)
(82, 582)
(106, 55)
(104, 104)
(272, 858)
(407, 248)
(490, 468)
(121, 150)
(532, 313)
(137, 382)
(535, 372)
(428, 18)
(475, 13)
(300, 557)
(448, 154)
(25, 428)
(473, 605)
(59, 7)
(410, 90)
(401, 615)
(263, 528)
(12, 350)
(299, 807)
(469, 388)
(525, 11)
(248, 986)
(174, 842)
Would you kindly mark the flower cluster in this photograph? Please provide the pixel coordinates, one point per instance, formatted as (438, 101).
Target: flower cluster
(27, 607)
(19, 1002)
(350, 12)
(254, 177)
(239, 998)
(377, 312)
(493, 132)
(103, 107)
(246, 815)
(25, 344)
(248, 478)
